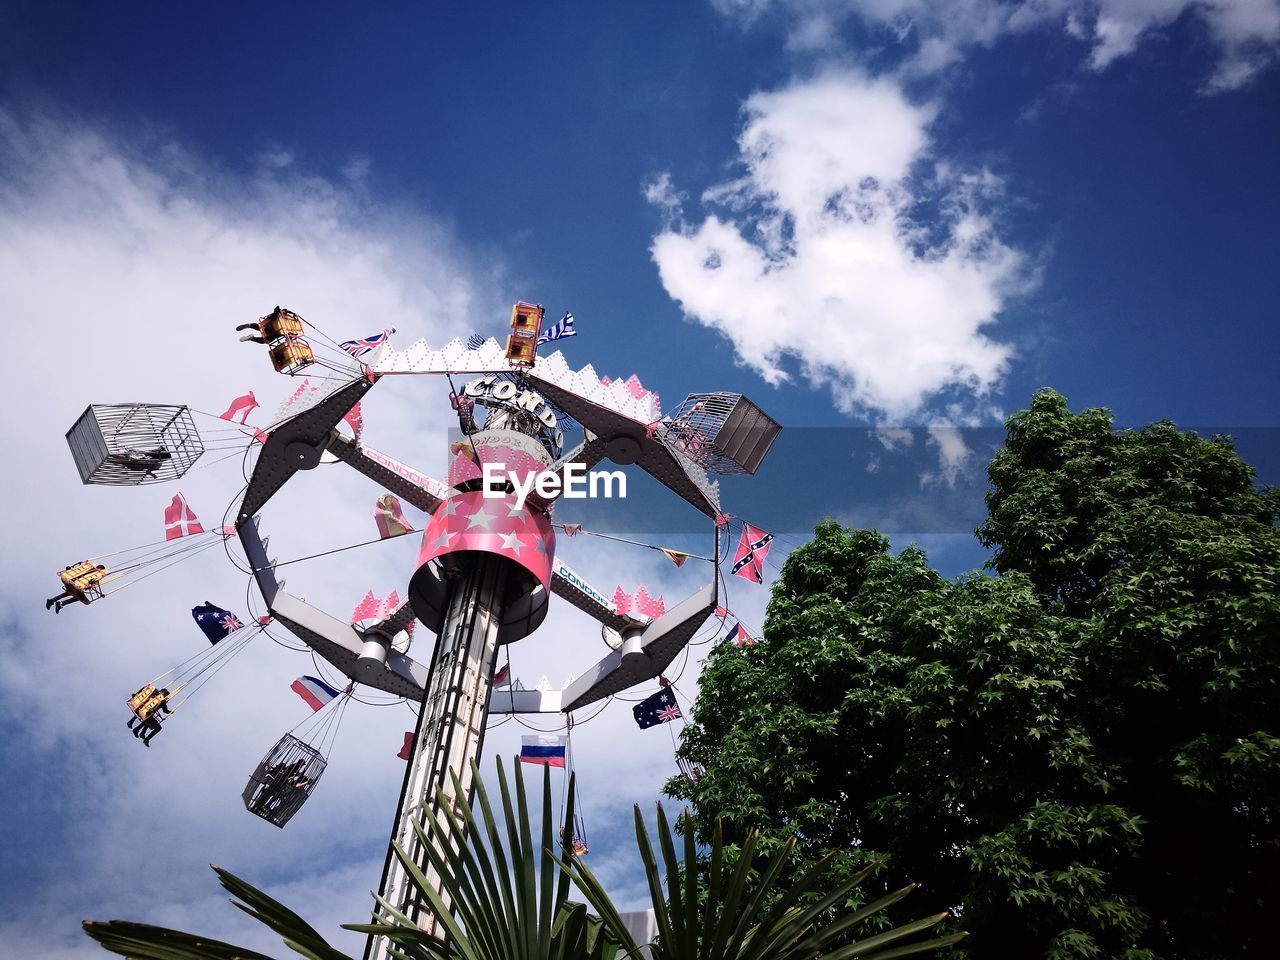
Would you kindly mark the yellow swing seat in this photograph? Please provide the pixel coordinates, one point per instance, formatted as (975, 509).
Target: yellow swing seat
(84, 580)
(147, 701)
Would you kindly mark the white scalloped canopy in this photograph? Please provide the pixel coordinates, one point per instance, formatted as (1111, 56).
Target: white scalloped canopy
(626, 397)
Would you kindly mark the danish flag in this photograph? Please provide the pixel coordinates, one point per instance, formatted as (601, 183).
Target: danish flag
(179, 520)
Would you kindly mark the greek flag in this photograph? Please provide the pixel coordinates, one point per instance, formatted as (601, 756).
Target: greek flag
(558, 331)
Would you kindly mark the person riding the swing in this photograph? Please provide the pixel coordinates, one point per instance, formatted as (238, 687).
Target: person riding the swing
(147, 715)
(77, 580)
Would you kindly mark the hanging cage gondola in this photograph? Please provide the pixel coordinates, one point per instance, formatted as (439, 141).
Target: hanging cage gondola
(127, 444)
(724, 433)
(283, 781)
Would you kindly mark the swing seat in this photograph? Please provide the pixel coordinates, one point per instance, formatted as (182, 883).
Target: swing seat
(83, 580)
(82, 576)
(147, 701)
(127, 444)
(282, 782)
(281, 324)
(291, 355)
(137, 701)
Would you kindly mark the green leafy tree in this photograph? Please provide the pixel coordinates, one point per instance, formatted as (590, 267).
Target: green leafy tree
(1081, 752)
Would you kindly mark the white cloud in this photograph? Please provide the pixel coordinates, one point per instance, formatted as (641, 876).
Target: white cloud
(125, 264)
(818, 256)
(894, 438)
(1245, 33)
(954, 455)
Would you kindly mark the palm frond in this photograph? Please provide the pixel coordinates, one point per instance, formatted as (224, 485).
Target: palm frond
(501, 894)
(766, 923)
(142, 941)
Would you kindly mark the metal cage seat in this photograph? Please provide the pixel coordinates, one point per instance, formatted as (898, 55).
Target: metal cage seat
(724, 433)
(283, 780)
(126, 444)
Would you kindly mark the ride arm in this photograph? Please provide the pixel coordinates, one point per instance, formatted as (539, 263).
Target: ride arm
(297, 444)
(416, 488)
(337, 642)
(624, 439)
(569, 584)
(644, 653)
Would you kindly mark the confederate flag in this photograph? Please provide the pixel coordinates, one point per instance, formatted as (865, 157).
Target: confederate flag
(748, 562)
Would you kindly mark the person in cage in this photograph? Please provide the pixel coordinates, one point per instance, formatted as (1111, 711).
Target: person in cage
(147, 716)
(271, 781)
(285, 793)
(576, 843)
(77, 579)
(148, 461)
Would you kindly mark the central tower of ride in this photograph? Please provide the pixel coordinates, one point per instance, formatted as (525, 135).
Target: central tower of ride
(482, 579)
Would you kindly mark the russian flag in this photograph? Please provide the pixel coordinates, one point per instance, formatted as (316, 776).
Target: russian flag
(313, 690)
(544, 749)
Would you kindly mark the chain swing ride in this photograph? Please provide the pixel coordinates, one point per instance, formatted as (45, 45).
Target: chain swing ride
(487, 564)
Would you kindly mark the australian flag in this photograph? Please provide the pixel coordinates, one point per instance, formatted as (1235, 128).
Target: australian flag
(659, 708)
(358, 348)
(215, 622)
(558, 330)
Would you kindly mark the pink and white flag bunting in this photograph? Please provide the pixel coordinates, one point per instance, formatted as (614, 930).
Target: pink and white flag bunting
(355, 420)
(638, 604)
(373, 608)
(241, 405)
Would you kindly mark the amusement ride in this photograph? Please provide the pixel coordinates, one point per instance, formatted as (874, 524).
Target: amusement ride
(487, 565)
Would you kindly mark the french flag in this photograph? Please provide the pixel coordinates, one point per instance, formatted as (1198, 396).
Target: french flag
(544, 749)
(313, 690)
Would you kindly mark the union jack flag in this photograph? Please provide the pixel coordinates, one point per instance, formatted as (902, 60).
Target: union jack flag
(231, 623)
(358, 348)
(559, 330)
(667, 714)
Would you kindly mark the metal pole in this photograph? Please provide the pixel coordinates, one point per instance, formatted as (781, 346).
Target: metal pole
(450, 729)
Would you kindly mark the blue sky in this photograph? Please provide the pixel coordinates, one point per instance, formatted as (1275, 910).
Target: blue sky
(864, 215)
